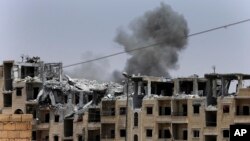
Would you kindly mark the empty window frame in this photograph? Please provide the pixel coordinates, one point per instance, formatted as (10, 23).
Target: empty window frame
(122, 133)
(226, 109)
(135, 138)
(79, 138)
(164, 110)
(56, 138)
(149, 133)
(57, 117)
(245, 110)
(196, 108)
(112, 134)
(47, 117)
(35, 92)
(7, 100)
(123, 110)
(149, 110)
(225, 133)
(135, 119)
(196, 133)
(18, 91)
(165, 133)
(33, 135)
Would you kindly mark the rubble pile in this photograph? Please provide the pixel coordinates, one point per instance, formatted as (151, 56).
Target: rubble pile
(54, 93)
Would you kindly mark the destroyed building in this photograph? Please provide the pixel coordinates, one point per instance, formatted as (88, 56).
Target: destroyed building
(157, 108)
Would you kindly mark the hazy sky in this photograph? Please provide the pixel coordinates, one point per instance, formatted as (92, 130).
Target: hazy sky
(63, 30)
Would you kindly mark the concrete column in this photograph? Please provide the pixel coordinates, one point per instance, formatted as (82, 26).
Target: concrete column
(223, 90)
(214, 89)
(81, 99)
(149, 87)
(176, 86)
(195, 86)
(19, 71)
(139, 87)
(136, 88)
(69, 101)
(240, 84)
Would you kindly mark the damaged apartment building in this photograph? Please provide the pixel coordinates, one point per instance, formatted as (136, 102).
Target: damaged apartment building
(157, 108)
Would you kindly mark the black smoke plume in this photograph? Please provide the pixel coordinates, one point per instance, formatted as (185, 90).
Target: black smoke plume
(161, 25)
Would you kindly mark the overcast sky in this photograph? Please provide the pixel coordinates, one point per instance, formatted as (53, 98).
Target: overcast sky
(66, 31)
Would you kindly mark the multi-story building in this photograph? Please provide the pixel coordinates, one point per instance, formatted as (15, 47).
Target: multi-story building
(157, 108)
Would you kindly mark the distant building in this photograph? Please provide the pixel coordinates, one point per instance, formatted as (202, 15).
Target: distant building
(159, 109)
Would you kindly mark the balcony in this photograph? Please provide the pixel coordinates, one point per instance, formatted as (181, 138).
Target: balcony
(43, 126)
(162, 139)
(94, 125)
(107, 119)
(210, 131)
(242, 119)
(179, 117)
(164, 119)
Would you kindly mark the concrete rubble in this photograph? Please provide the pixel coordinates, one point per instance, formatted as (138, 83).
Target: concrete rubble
(54, 91)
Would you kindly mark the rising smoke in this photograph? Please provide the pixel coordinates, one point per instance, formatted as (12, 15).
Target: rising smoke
(161, 25)
(97, 70)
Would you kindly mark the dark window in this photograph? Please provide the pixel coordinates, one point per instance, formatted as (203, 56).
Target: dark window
(196, 109)
(135, 138)
(68, 127)
(149, 110)
(90, 97)
(149, 132)
(238, 110)
(123, 110)
(47, 117)
(164, 111)
(225, 133)
(76, 99)
(184, 107)
(160, 111)
(167, 133)
(80, 138)
(226, 109)
(18, 91)
(35, 92)
(65, 99)
(164, 134)
(196, 133)
(7, 100)
(112, 134)
(112, 111)
(167, 110)
(185, 135)
(122, 133)
(27, 71)
(31, 110)
(135, 119)
(56, 138)
(245, 110)
(57, 118)
(94, 115)
(47, 138)
(33, 135)
(18, 111)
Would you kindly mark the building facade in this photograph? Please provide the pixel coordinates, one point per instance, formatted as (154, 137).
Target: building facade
(157, 108)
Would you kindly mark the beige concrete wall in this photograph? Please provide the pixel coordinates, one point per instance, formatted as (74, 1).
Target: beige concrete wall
(244, 92)
(15, 127)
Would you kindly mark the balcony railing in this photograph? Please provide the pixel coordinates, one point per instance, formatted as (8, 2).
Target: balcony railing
(179, 113)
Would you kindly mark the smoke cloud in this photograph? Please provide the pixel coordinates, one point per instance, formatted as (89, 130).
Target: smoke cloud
(97, 70)
(161, 25)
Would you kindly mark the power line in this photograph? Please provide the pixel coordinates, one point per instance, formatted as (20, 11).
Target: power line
(154, 45)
